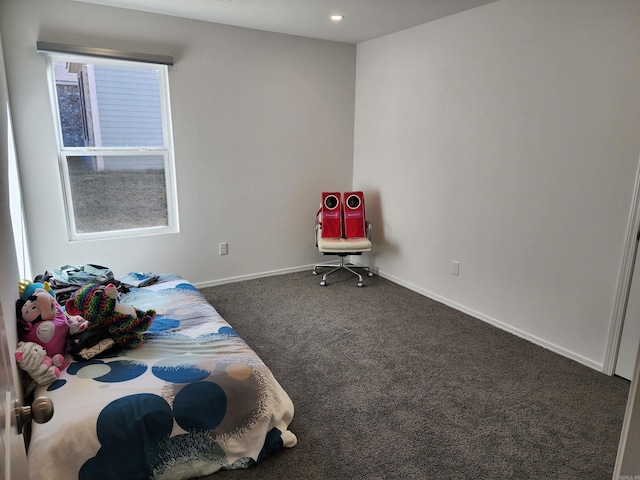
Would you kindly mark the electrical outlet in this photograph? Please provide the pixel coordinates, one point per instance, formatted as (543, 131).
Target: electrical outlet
(223, 248)
(455, 268)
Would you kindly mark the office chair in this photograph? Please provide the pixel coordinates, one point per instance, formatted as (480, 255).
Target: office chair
(341, 247)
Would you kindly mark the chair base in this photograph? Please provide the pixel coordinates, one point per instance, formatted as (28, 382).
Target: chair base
(342, 265)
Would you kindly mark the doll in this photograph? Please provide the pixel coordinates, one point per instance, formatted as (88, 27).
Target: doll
(42, 320)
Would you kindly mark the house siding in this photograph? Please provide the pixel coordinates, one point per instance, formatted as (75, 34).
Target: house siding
(129, 107)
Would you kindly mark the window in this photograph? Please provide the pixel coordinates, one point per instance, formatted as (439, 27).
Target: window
(115, 146)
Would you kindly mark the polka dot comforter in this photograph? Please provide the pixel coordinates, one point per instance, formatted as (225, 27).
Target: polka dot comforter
(192, 400)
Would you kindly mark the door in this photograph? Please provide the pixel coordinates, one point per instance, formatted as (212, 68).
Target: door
(630, 339)
(628, 460)
(12, 449)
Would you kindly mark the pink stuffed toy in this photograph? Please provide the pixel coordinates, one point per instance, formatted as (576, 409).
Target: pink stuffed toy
(42, 321)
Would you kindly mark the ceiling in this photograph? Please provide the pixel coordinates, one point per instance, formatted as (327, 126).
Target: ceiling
(363, 19)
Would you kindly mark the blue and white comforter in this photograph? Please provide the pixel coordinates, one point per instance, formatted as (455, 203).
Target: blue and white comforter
(192, 400)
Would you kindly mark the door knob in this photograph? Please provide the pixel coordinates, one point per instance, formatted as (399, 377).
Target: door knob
(40, 411)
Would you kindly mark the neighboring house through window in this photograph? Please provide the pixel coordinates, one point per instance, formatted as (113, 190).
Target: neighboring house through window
(115, 146)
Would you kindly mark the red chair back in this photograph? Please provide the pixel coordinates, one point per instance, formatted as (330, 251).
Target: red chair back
(354, 218)
(331, 215)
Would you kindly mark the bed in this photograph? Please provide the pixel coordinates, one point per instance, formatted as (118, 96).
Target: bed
(192, 400)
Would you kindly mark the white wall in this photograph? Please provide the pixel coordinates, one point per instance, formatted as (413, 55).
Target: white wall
(506, 138)
(262, 124)
(8, 262)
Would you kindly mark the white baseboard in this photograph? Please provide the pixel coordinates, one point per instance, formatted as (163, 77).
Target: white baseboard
(461, 308)
(496, 323)
(253, 276)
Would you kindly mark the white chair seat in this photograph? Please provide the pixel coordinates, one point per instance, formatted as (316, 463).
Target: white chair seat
(343, 245)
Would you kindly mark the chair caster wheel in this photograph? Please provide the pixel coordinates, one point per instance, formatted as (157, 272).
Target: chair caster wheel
(360, 284)
(314, 273)
(370, 274)
(323, 283)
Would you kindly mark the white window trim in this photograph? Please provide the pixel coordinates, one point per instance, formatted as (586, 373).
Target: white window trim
(168, 152)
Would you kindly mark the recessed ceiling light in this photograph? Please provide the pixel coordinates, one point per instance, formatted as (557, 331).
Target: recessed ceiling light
(337, 18)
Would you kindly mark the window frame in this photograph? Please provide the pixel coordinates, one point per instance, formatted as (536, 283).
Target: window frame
(167, 151)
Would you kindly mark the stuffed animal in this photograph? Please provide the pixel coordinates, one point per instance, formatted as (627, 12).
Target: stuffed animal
(76, 323)
(33, 359)
(41, 319)
(100, 306)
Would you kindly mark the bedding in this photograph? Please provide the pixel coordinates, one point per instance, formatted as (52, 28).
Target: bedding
(192, 400)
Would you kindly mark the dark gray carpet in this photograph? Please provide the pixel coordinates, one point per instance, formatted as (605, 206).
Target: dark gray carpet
(389, 384)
